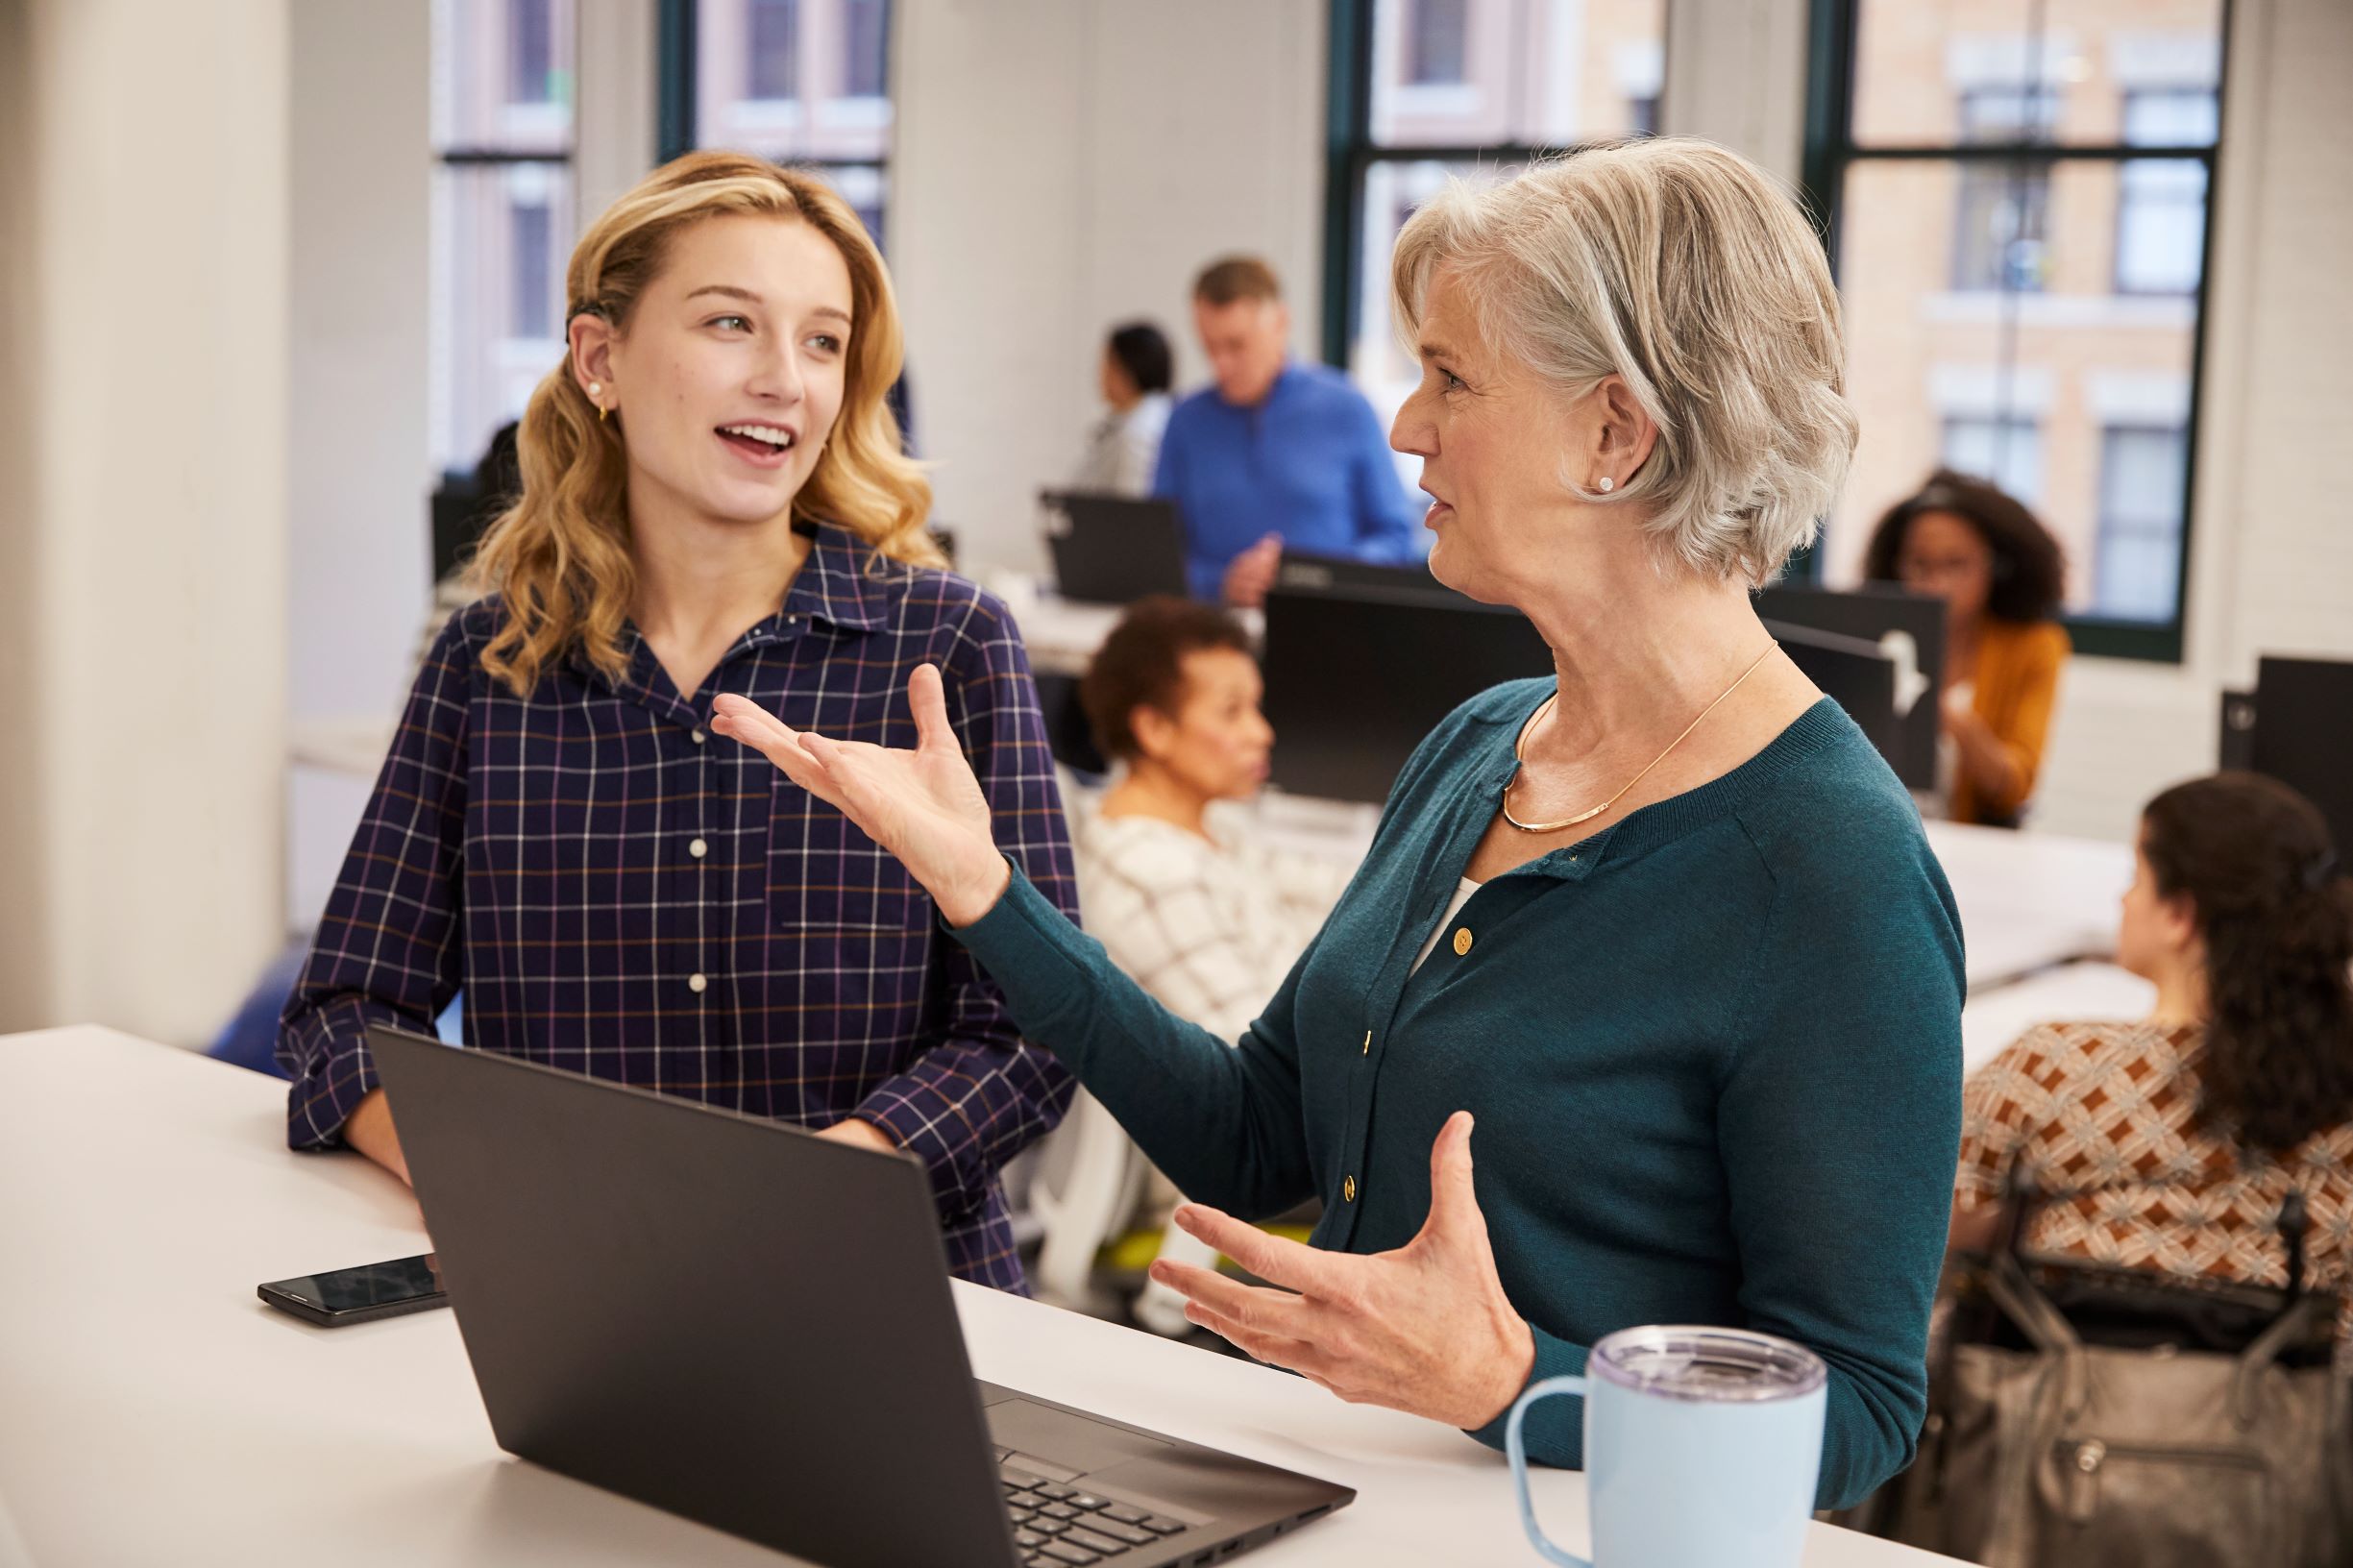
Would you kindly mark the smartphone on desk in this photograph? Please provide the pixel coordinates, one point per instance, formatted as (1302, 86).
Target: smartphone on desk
(355, 1295)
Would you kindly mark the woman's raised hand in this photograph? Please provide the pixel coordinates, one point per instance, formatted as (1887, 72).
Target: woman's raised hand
(923, 806)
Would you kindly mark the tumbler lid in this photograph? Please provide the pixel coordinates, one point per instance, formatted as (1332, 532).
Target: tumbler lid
(1710, 1364)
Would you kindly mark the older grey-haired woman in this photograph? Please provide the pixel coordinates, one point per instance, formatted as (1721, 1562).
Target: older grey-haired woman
(1664, 922)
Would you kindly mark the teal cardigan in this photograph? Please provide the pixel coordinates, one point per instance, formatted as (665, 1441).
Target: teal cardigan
(1714, 1052)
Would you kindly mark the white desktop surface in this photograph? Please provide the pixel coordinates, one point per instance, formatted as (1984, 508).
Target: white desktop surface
(2030, 900)
(153, 1411)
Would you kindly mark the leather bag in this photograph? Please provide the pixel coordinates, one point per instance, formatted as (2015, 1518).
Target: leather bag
(2156, 1422)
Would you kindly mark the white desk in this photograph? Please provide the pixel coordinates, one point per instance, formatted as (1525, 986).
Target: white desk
(153, 1411)
(2029, 901)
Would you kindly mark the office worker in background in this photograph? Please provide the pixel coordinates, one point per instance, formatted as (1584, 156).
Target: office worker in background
(714, 501)
(1204, 922)
(2171, 1142)
(1665, 921)
(1274, 453)
(2000, 575)
(1136, 371)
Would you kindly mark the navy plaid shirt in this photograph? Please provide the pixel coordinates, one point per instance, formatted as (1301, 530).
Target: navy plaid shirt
(620, 893)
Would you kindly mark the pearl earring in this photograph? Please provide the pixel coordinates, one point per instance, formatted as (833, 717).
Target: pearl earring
(1607, 484)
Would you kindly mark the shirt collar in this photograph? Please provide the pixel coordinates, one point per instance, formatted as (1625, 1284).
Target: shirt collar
(835, 585)
(1285, 378)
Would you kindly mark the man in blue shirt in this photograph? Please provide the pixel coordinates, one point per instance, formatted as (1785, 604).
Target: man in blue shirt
(1275, 454)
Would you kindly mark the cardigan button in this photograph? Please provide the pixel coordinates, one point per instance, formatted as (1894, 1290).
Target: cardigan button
(1462, 941)
(1348, 1190)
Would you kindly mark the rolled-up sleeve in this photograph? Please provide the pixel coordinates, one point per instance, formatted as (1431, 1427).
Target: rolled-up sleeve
(387, 950)
(970, 1103)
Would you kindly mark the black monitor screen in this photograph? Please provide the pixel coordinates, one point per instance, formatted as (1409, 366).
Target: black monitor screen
(1353, 682)
(1852, 673)
(1911, 628)
(2304, 735)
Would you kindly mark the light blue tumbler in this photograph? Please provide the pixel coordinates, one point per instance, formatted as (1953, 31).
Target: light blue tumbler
(1702, 1448)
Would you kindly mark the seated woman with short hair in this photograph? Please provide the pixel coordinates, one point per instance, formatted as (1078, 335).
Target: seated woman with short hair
(2171, 1142)
(1205, 923)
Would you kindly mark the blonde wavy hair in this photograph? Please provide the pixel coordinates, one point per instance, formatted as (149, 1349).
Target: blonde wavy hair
(1686, 270)
(560, 558)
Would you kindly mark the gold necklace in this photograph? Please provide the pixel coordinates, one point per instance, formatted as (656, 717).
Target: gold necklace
(1519, 755)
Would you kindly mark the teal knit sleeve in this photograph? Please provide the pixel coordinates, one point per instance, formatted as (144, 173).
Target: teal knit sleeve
(1221, 1120)
(1839, 1123)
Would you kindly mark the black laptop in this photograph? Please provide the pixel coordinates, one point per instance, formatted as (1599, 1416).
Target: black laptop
(751, 1326)
(1114, 550)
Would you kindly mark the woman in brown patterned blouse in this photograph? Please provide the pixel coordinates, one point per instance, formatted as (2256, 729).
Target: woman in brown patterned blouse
(2169, 1143)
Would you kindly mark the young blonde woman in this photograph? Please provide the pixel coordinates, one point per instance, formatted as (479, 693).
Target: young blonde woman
(714, 503)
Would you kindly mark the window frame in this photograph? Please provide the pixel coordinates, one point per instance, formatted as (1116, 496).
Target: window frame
(481, 154)
(1831, 152)
(677, 78)
(1350, 153)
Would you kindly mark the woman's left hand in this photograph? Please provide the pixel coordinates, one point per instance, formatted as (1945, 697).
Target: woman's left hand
(1426, 1328)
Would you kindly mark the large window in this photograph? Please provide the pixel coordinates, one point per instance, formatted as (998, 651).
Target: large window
(1428, 90)
(502, 212)
(2018, 192)
(803, 82)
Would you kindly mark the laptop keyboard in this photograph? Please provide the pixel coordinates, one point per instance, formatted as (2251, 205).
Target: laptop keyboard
(1055, 1525)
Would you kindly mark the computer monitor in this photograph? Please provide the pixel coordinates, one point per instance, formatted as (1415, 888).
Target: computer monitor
(1857, 674)
(1069, 736)
(1341, 574)
(1114, 550)
(461, 516)
(1355, 681)
(1910, 629)
(2304, 735)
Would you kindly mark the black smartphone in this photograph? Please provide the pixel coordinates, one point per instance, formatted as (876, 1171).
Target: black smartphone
(355, 1295)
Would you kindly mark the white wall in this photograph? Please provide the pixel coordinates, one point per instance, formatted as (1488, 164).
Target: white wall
(1061, 165)
(150, 405)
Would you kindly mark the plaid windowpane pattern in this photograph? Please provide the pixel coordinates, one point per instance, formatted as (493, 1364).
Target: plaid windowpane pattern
(2106, 1117)
(620, 893)
(1209, 933)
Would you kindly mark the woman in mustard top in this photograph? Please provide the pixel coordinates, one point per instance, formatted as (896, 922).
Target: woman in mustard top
(1999, 573)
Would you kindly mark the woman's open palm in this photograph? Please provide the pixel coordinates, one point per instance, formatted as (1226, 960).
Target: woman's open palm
(923, 805)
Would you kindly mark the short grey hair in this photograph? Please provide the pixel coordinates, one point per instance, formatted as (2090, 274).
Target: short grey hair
(1686, 270)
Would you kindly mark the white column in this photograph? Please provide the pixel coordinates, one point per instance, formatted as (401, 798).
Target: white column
(145, 720)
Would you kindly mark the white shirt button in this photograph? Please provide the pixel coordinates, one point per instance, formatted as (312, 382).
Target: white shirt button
(698, 849)
(697, 984)
(701, 737)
